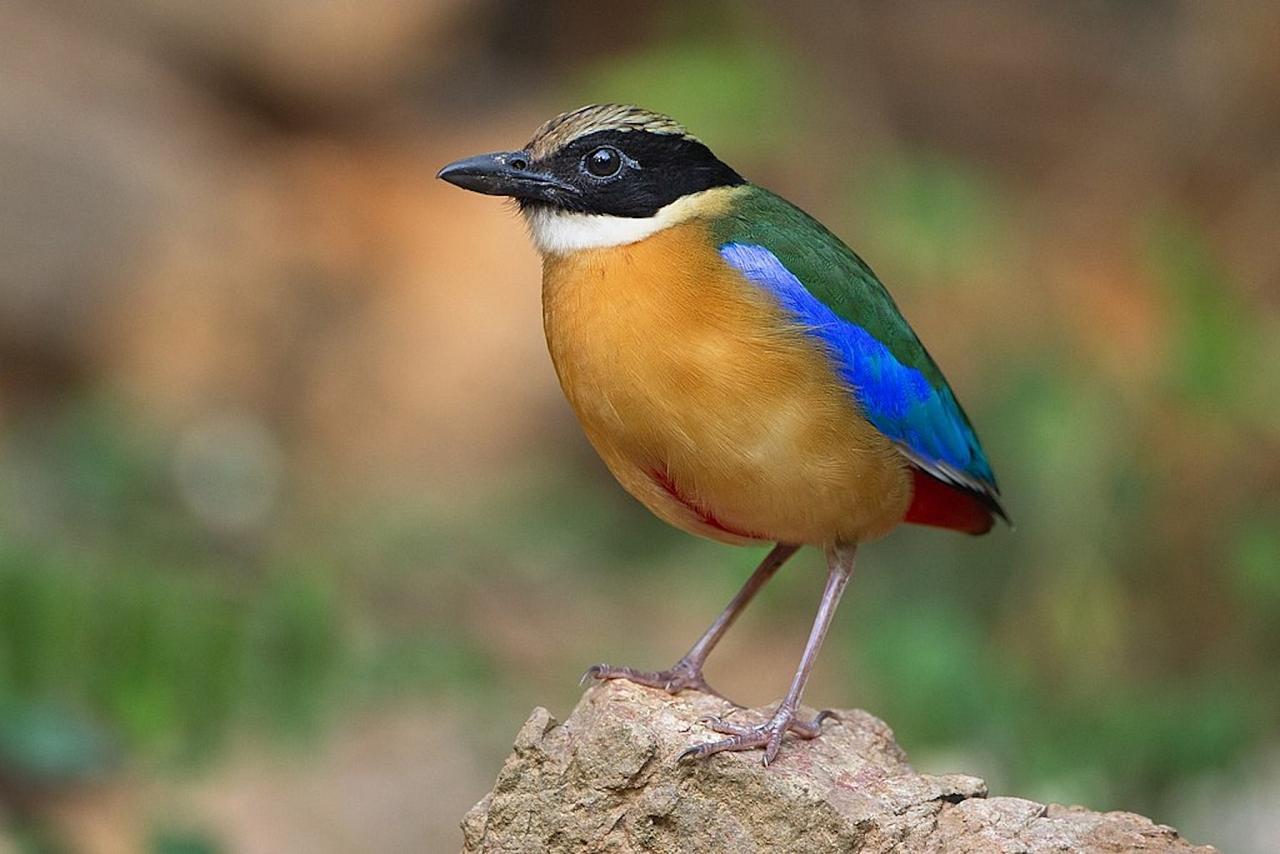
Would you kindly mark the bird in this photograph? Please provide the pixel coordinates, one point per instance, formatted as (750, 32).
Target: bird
(741, 371)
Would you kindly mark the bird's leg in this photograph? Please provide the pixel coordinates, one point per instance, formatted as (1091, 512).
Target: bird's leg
(687, 672)
(768, 735)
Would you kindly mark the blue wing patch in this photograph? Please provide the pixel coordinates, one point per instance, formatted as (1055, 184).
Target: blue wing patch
(924, 421)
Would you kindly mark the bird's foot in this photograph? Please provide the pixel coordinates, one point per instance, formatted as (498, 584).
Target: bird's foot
(681, 675)
(766, 736)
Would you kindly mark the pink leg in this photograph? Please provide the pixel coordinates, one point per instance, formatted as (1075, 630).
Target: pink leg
(769, 735)
(687, 672)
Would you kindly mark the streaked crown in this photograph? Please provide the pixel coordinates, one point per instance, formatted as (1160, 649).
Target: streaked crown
(556, 133)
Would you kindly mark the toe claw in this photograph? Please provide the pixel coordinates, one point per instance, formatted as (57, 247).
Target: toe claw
(767, 736)
(813, 728)
(680, 677)
(694, 752)
(772, 745)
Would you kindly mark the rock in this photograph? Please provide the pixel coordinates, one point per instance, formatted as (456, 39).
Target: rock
(607, 780)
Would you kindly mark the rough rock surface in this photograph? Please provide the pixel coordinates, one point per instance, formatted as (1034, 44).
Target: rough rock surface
(607, 780)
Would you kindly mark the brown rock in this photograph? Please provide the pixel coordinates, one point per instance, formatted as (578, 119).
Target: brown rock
(607, 780)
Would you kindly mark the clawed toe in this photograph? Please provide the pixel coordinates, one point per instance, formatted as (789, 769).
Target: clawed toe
(813, 728)
(595, 671)
(725, 727)
(683, 675)
(766, 736)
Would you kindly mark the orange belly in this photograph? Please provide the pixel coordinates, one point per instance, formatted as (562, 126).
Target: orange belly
(708, 404)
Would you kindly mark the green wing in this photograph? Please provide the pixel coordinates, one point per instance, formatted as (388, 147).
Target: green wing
(844, 306)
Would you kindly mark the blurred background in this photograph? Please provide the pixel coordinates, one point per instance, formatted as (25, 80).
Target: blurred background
(295, 528)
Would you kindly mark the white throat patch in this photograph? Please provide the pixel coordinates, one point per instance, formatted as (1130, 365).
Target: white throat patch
(558, 232)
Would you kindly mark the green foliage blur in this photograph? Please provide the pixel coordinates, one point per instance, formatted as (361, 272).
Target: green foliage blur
(1113, 649)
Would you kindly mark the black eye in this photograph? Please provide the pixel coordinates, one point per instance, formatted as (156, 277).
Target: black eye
(604, 162)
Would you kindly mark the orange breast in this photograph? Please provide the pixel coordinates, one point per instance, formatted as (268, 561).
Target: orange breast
(708, 404)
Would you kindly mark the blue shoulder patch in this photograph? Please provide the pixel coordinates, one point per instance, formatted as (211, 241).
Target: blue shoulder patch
(926, 422)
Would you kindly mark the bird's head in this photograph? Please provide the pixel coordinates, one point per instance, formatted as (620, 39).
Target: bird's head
(600, 175)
